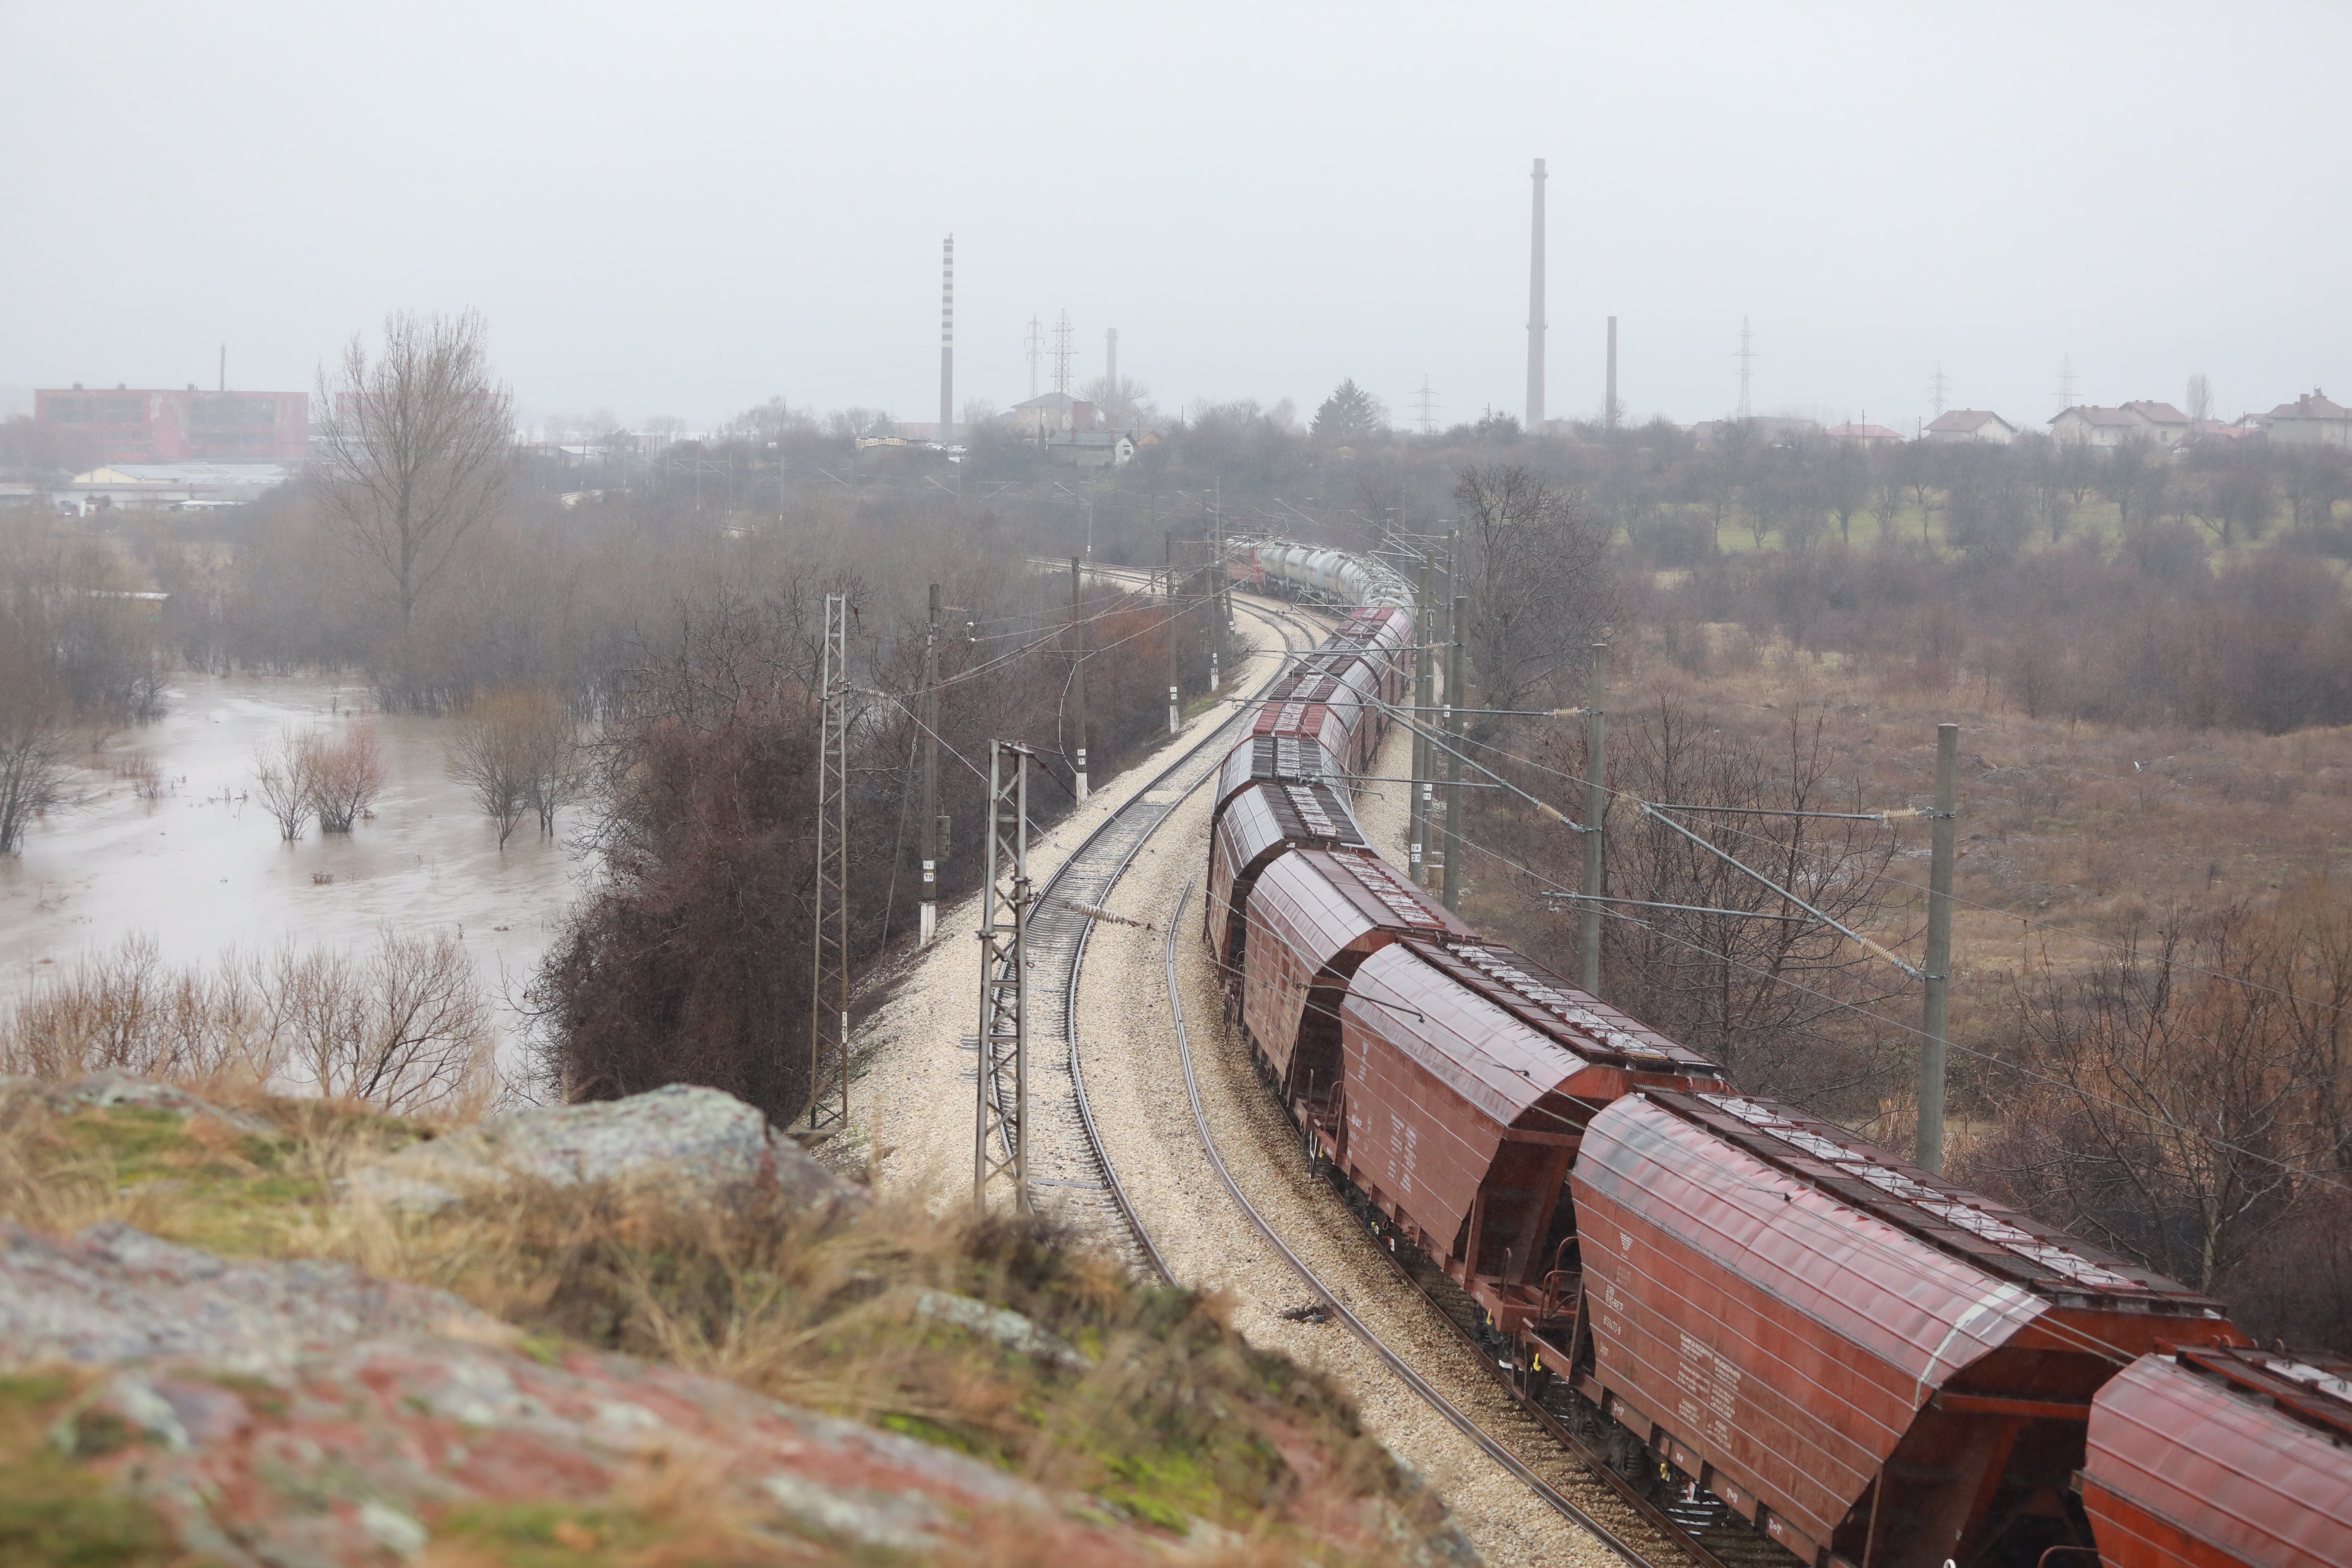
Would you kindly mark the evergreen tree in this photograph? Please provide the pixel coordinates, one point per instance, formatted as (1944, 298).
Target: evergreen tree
(1350, 411)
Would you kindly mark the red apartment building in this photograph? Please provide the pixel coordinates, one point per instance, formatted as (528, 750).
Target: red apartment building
(132, 426)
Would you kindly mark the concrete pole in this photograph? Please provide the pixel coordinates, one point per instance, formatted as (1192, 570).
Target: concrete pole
(1175, 707)
(1609, 409)
(928, 919)
(1535, 311)
(1079, 681)
(1596, 812)
(1936, 1010)
(1455, 692)
(947, 342)
(1424, 698)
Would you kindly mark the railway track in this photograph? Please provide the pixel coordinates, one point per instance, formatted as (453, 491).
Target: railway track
(1534, 1443)
(1068, 1165)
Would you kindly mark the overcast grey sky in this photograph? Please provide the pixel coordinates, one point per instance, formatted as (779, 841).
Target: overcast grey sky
(686, 208)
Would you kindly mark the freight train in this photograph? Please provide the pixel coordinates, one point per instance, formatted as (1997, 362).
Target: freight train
(1872, 1367)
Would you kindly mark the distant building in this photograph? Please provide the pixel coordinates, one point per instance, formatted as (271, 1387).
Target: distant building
(1092, 449)
(1970, 425)
(2086, 425)
(169, 486)
(2311, 420)
(1054, 413)
(1865, 435)
(147, 425)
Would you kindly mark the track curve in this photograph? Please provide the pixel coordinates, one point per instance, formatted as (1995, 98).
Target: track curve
(1068, 1165)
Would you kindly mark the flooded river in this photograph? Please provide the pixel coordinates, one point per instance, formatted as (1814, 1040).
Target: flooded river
(202, 865)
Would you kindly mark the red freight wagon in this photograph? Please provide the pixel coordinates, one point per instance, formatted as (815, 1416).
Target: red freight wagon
(1322, 723)
(2224, 1458)
(1258, 825)
(1312, 917)
(1271, 757)
(1876, 1367)
(1470, 1075)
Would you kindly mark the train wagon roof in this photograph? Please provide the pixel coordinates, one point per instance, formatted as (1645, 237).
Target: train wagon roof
(1488, 1055)
(2247, 1451)
(1270, 812)
(1273, 757)
(1864, 1211)
(1328, 900)
(1578, 1020)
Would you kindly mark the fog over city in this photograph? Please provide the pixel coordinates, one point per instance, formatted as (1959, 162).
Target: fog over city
(686, 210)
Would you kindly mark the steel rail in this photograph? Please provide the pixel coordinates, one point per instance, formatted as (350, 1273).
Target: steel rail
(1493, 1447)
(1047, 936)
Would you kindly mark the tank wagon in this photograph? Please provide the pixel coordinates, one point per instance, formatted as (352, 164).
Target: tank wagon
(1875, 1368)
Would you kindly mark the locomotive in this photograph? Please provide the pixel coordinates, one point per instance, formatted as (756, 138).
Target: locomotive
(1873, 1366)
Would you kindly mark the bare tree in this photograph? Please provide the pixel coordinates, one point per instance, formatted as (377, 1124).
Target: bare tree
(1764, 989)
(286, 773)
(414, 450)
(2200, 396)
(1537, 580)
(407, 1030)
(346, 777)
(32, 741)
(2181, 1091)
(518, 752)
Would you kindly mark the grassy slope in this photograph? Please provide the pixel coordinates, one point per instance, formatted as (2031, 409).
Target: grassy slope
(1177, 1421)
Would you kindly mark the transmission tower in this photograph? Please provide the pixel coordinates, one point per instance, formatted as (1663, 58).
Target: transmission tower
(1000, 1132)
(2066, 383)
(1426, 401)
(1036, 351)
(1746, 358)
(1061, 355)
(829, 995)
(1940, 388)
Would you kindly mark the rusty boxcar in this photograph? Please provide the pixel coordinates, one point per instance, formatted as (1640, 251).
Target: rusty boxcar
(2214, 1458)
(1876, 1367)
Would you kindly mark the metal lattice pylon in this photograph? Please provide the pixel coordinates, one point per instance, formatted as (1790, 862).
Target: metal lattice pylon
(829, 994)
(1000, 1145)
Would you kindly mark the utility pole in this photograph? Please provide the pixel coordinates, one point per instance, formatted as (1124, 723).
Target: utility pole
(1934, 1012)
(1000, 1136)
(1940, 388)
(1596, 811)
(1424, 698)
(1174, 706)
(1062, 353)
(1036, 351)
(1425, 401)
(829, 990)
(1455, 693)
(1213, 590)
(1079, 681)
(927, 926)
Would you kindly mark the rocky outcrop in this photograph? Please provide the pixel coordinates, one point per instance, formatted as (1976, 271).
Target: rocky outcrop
(698, 1141)
(295, 1413)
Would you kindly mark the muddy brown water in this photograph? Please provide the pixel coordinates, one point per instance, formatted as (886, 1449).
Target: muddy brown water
(201, 868)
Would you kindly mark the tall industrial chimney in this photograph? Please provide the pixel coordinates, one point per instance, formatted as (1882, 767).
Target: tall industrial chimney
(947, 342)
(1609, 409)
(1110, 359)
(1536, 313)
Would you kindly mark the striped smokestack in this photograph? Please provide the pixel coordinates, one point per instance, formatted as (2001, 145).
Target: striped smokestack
(1536, 312)
(947, 340)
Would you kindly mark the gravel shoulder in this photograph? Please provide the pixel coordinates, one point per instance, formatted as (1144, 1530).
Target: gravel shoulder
(912, 1105)
(1135, 1080)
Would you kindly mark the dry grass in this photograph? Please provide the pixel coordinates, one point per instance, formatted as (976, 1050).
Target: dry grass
(1173, 1419)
